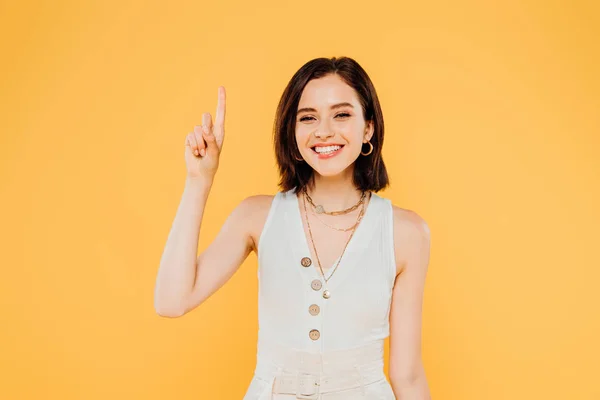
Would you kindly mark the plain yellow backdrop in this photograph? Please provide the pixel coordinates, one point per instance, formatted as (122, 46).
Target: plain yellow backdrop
(492, 136)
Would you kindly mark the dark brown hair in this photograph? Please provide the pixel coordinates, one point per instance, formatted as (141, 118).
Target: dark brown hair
(370, 173)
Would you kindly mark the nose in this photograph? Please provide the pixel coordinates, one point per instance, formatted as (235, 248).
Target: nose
(323, 131)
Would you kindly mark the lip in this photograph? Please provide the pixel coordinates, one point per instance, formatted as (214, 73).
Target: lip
(329, 155)
(327, 144)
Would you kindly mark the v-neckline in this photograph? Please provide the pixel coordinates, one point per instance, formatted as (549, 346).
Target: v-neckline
(303, 249)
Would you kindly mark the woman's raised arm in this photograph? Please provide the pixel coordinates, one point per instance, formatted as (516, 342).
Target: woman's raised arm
(183, 280)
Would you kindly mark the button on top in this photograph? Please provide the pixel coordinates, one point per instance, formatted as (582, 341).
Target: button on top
(314, 334)
(316, 284)
(314, 309)
(306, 262)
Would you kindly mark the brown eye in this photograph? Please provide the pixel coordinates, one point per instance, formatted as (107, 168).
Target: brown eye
(305, 118)
(343, 115)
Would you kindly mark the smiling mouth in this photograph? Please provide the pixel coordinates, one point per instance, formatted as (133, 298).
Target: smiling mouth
(327, 149)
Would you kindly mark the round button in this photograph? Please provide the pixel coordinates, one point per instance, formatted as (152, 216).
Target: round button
(306, 262)
(316, 284)
(314, 309)
(314, 334)
(326, 294)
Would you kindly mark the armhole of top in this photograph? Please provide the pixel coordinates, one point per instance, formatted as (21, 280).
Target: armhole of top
(392, 246)
(267, 224)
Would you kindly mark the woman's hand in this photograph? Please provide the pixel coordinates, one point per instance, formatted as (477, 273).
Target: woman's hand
(203, 145)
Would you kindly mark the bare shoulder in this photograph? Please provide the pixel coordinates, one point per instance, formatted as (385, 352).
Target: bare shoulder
(257, 203)
(254, 211)
(412, 237)
(409, 222)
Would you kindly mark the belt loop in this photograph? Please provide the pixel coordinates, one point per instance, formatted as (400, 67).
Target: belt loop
(276, 377)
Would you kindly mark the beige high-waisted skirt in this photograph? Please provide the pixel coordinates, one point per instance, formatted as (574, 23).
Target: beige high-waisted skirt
(286, 374)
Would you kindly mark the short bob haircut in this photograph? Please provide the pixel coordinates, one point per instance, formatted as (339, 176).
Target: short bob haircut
(370, 173)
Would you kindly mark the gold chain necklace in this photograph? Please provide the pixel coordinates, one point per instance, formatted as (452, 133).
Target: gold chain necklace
(341, 229)
(315, 248)
(320, 210)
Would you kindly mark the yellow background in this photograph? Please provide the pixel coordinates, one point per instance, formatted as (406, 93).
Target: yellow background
(492, 135)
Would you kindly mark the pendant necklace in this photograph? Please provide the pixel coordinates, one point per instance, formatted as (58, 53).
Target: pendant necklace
(327, 293)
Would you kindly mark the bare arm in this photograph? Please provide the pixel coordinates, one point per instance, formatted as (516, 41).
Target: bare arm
(184, 281)
(177, 274)
(411, 243)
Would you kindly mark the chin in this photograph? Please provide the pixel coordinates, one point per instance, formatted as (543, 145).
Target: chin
(328, 173)
(331, 170)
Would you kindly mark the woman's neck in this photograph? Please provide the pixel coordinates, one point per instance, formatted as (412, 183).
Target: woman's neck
(334, 192)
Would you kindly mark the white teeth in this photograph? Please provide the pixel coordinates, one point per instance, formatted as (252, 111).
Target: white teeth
(326, 149)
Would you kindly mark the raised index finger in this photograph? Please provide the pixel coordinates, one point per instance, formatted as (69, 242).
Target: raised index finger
(220, 115)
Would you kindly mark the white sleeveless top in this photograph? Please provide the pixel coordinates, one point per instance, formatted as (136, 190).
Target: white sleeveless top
(357, 311)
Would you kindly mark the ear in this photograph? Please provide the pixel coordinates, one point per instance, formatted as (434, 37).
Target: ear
(369, 130)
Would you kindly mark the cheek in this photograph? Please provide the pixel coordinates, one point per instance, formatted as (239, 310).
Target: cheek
(352, 130)
(302, 136)
(353, 137)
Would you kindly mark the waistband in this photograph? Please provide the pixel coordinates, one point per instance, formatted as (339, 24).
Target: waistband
(307, 374)
(334, 360)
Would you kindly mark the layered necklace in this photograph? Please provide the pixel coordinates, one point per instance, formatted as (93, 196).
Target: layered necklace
(320, 210)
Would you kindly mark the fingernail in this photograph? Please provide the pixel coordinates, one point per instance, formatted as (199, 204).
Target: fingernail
(202, 152)
(196, 152)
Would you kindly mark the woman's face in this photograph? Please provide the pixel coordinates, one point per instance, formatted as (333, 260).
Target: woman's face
(330, 126)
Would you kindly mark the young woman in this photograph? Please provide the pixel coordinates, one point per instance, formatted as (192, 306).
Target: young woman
(340, 268)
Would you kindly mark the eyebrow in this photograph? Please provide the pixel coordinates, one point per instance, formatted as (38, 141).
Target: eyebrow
(333, 107)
